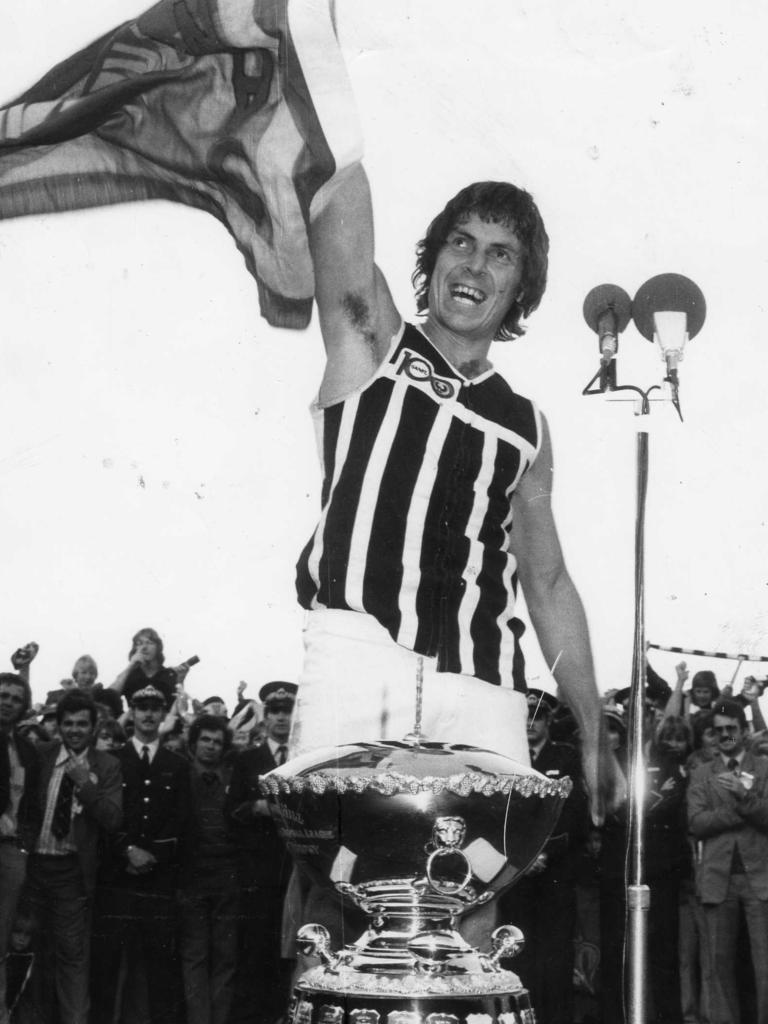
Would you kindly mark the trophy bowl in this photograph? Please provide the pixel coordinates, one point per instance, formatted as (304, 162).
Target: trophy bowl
(373, 820)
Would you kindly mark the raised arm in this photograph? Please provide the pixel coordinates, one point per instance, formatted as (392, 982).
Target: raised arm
(558, 617)
(357, 315)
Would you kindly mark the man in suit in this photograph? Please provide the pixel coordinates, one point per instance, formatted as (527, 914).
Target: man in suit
(139, 876)
(728, 814)
(19, 817)
(80, 797)
(265, 865)
(543, 903)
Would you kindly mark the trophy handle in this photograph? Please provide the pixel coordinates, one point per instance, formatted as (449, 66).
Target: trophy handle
(445, 886)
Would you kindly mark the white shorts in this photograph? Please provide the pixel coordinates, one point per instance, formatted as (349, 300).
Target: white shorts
(358, 686)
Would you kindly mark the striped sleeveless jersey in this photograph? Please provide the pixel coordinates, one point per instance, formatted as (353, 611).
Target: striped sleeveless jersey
(419, 467)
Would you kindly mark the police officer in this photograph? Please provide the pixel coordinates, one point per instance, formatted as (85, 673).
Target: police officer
(137, 904)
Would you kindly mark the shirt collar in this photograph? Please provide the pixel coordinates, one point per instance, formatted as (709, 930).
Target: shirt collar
(274, 746)
(152, 747)
(733, 757)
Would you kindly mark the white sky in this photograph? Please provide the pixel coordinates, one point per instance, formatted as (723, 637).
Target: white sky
(157, 461)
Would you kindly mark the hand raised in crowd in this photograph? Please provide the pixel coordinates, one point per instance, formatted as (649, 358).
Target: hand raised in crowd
(24, 655)
(79, 773)
(753, 688)
(180, 671)
(182, 699)
(682, 673)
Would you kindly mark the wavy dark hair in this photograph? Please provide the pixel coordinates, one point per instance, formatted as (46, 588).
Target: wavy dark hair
(74, 701)
(211, 723)
(501, 203)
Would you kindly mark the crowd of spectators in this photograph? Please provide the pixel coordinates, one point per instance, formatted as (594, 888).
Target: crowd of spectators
(141, 875)
(705, 861)
(143, 879)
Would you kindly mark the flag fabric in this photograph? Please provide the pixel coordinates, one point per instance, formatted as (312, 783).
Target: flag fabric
(242, 108)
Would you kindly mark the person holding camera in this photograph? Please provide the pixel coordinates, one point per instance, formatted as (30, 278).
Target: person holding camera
(146, 666)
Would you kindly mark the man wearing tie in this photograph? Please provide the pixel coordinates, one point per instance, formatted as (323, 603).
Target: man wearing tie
(728, 813)
(139, 876)
(80, 797)
(265, 865)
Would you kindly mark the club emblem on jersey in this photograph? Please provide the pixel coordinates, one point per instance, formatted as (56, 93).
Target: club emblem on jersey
(417, 368)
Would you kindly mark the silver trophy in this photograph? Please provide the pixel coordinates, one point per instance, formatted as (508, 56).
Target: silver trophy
(415, 834)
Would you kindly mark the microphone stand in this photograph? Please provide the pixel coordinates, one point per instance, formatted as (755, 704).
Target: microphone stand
(638, 894)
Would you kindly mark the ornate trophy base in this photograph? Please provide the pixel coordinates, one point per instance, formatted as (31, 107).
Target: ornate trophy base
(312, 1005)
(409, 967)
(415, 834)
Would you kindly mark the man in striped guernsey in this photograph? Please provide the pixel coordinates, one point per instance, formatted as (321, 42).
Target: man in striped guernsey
(436, 490)
(437, 481)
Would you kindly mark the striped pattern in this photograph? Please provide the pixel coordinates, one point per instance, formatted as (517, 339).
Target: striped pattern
(419, 468)
(206, 103)
(709, 654)
(47, 842)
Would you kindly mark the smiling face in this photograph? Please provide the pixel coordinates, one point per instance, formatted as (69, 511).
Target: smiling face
(476, 279)
(76, 729)
(730, 735)
(85, 673)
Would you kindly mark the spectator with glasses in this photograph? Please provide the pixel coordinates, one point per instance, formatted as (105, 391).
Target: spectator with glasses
(728, 814)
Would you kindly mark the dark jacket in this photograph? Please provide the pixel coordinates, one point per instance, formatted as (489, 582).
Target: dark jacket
(555, 761)
(29, 817)
(156, 816)
(263, 857)
(101, 799)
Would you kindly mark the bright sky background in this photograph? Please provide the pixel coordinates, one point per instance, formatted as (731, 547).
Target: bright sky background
(157, 461)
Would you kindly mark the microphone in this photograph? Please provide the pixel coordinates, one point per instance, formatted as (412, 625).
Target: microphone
(670, 309)
(607, 310)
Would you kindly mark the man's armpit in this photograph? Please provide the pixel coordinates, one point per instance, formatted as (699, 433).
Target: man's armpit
(358, 313)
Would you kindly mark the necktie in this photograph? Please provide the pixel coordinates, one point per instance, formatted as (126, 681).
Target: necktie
(145, 756)
(282, 755)
(733, 764)
(62, 812)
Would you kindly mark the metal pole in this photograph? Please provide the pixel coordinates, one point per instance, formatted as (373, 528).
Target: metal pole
(638, 894)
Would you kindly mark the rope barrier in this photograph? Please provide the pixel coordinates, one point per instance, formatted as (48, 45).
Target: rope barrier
(708, 654)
